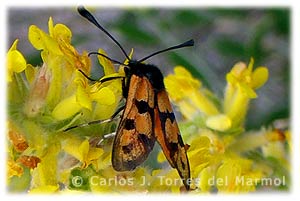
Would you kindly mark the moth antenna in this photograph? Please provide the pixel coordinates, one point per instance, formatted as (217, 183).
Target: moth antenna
(103, 55)
(102, 80)
(87, 77)
(87, 15)
(185, 44)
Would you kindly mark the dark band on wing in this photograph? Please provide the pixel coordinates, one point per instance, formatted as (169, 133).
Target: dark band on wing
(146, 141)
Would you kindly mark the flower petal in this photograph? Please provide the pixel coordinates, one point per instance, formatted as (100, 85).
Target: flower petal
(51, 27)
(244, 88)
(35, 36)
(83, 150)
(75, 147)
(219, 122)
(66, 108)
(42, 41)
(107, 65)
(104, 96)
(181, 71)
(14, 45)
(16, 61)
(259, 77)
(227, 173)
(62, 32)
(83, 98)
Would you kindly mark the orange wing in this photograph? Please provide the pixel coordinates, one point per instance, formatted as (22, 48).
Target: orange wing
(168, 136)
(134, 139)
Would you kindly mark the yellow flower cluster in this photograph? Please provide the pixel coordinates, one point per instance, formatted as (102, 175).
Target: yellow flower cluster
(216, 134)
(193, 99)
(44, 100)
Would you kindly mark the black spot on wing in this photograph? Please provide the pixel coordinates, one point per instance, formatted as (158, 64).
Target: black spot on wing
(129, 124)
(142, 106)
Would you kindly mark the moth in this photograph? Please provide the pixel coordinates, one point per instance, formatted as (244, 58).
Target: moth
(147, 115)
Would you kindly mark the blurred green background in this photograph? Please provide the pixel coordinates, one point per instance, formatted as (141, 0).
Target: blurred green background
(223, 36)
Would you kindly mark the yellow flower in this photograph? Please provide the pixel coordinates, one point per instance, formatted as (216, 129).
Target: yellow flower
(199, 153)
(215, 161)
(186, 91)
(242, 81)
(218, 122)
(106, 95)
(45, 175)
(69, 91)
(213, 156)
(206, 179)
(253, 139)
(82, 151)
(237, 175)
(83, 97)
(16, 62)
(60, 58)
(193, 99)
(109, 92)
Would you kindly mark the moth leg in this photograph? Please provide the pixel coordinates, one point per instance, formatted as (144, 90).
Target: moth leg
(97, 121)
(105, 137)
(89, 123)
(117, 111)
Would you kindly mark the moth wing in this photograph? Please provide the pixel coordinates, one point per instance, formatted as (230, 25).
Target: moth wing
(134, 139)
(168, 136)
